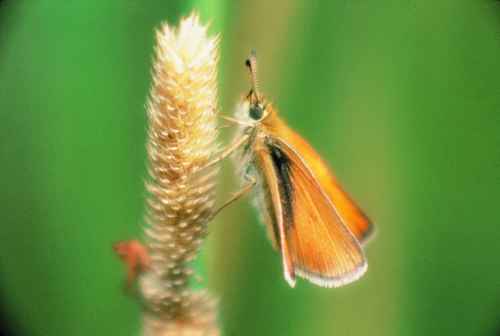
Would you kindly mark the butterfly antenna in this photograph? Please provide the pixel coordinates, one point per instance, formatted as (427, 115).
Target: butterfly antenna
(251, 63)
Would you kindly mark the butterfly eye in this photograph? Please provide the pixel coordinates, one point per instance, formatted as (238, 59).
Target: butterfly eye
(256, 112)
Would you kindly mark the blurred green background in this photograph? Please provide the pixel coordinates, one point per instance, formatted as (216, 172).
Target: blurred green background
(401, 97)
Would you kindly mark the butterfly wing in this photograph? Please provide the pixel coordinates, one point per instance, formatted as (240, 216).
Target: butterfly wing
(352, 216)
(314, 242)
(274, 207)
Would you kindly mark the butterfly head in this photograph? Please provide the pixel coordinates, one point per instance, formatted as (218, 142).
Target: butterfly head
(254, 107)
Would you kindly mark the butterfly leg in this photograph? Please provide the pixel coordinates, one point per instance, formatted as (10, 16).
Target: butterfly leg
(232, 121)
(236, 196)
(237, 121)
(227, 151)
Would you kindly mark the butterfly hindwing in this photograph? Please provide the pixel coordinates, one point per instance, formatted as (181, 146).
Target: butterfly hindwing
(314, 242)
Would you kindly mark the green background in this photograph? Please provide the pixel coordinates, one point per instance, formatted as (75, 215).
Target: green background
(401, 97)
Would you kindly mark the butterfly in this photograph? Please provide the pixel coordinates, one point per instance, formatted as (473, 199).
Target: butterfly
(310, 219)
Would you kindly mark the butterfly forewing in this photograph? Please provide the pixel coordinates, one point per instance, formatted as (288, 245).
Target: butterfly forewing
(275, 211)
(352, 216)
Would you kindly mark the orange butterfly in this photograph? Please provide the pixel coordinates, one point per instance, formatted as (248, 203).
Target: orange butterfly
(310, 218)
